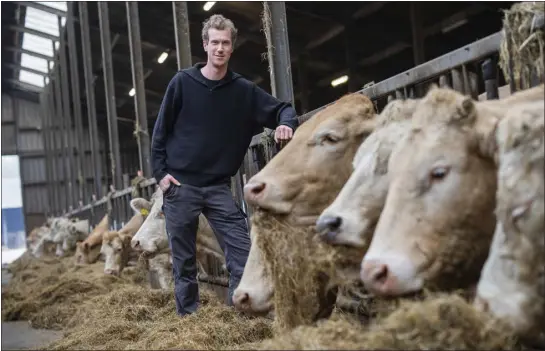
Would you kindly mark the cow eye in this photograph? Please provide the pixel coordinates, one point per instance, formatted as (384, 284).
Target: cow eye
(439, 173)
(330, 138)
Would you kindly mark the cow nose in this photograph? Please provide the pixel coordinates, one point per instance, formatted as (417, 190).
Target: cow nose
(328, 227)
(135, 244)
(375, 276)
(241, 300)
(253, 190)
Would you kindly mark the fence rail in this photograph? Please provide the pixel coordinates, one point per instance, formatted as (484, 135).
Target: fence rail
(471, 69)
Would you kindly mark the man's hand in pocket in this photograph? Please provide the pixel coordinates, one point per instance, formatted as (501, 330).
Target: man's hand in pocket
(165, 182)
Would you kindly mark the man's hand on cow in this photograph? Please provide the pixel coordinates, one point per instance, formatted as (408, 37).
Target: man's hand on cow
(165, 182)
(283, 134)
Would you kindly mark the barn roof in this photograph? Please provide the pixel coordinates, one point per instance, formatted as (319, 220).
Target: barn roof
(377, 35)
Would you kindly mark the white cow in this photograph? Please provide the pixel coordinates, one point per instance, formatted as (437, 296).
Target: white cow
(512, 282)
(151, 239)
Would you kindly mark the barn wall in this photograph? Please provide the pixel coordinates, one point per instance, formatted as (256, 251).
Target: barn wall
(22, 135)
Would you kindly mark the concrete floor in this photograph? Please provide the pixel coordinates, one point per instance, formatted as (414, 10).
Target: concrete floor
(19, 335)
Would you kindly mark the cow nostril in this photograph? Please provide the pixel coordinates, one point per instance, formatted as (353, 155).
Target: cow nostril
(380, 274)
(241, 300)
(254, 189)
(136, 244)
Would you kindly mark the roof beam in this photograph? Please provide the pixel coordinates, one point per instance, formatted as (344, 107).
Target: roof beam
(42, 7)
(31, 70)
(28, 52)
(34, 32)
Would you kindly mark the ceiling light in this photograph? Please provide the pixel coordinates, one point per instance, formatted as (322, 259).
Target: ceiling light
(454, 25)
(339, 81)
(163, 57)
(208, 5)
(131, 93)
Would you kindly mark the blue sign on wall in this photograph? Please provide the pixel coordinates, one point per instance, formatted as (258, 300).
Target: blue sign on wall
(13, 228)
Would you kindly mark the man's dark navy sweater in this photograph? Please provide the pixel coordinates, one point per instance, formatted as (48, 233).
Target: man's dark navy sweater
(205, 127)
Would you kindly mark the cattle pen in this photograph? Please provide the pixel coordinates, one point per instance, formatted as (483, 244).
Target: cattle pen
(95, 65)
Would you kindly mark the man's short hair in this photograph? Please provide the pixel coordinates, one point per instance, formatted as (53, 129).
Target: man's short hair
(219, 22)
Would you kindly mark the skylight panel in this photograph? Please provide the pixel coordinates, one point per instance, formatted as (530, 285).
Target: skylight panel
(31, 78)
(41, 21)
(36, 63)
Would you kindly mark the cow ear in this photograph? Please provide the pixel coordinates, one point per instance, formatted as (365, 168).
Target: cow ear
(138, 204)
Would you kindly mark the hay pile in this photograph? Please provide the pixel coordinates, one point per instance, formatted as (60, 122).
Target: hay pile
(520, 45)
(139, 318)
(48, 291)
(441, 322)
(300, 267)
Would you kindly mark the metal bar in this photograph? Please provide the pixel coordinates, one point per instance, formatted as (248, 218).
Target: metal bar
(457, 80)
(68, 134)
(41, 7)
(19, 67)
(28, 52)
(280, 61)
(490, 77)
(417, 33)
(44, 101)
(60, 127)
(109, 91)
(181, 34)
(137, 67)
(53, 143)
(34, 32)
(76, 100)
(90, 93)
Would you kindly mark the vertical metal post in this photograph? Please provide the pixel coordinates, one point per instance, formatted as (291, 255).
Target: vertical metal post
(107, 69)
(90, 92)
(417, 33)
(350, 59)
(490, 75)
(76, 99)
(44, 102)
(53, 142)
(59, 114)
(279, 50)
(181, 34)
(68, 134)
(142, 135)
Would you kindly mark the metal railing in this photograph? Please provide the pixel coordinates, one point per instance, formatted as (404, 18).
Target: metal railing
(471, 69)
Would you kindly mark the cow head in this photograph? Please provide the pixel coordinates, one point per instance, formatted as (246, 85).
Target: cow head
(299, 182)
(115, 252)
(151, 238)
(352, 217)
(512, 284)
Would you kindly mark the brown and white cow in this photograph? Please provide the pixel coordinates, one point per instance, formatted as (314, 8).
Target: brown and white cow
(512, 282)
(116, 245)
(151, 239)
(352, 217)
(88, 251)
(438, 220)
(299, 182)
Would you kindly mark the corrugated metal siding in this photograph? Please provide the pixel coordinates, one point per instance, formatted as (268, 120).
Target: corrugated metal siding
(35, 198)
(7, 109)
(33, 170)
(34, 220)
(30, 141)
(29, 114)
(8, 139)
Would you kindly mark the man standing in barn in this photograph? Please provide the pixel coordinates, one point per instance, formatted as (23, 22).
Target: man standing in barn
(205, 125)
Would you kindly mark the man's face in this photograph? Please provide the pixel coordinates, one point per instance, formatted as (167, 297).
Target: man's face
(219, 46)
